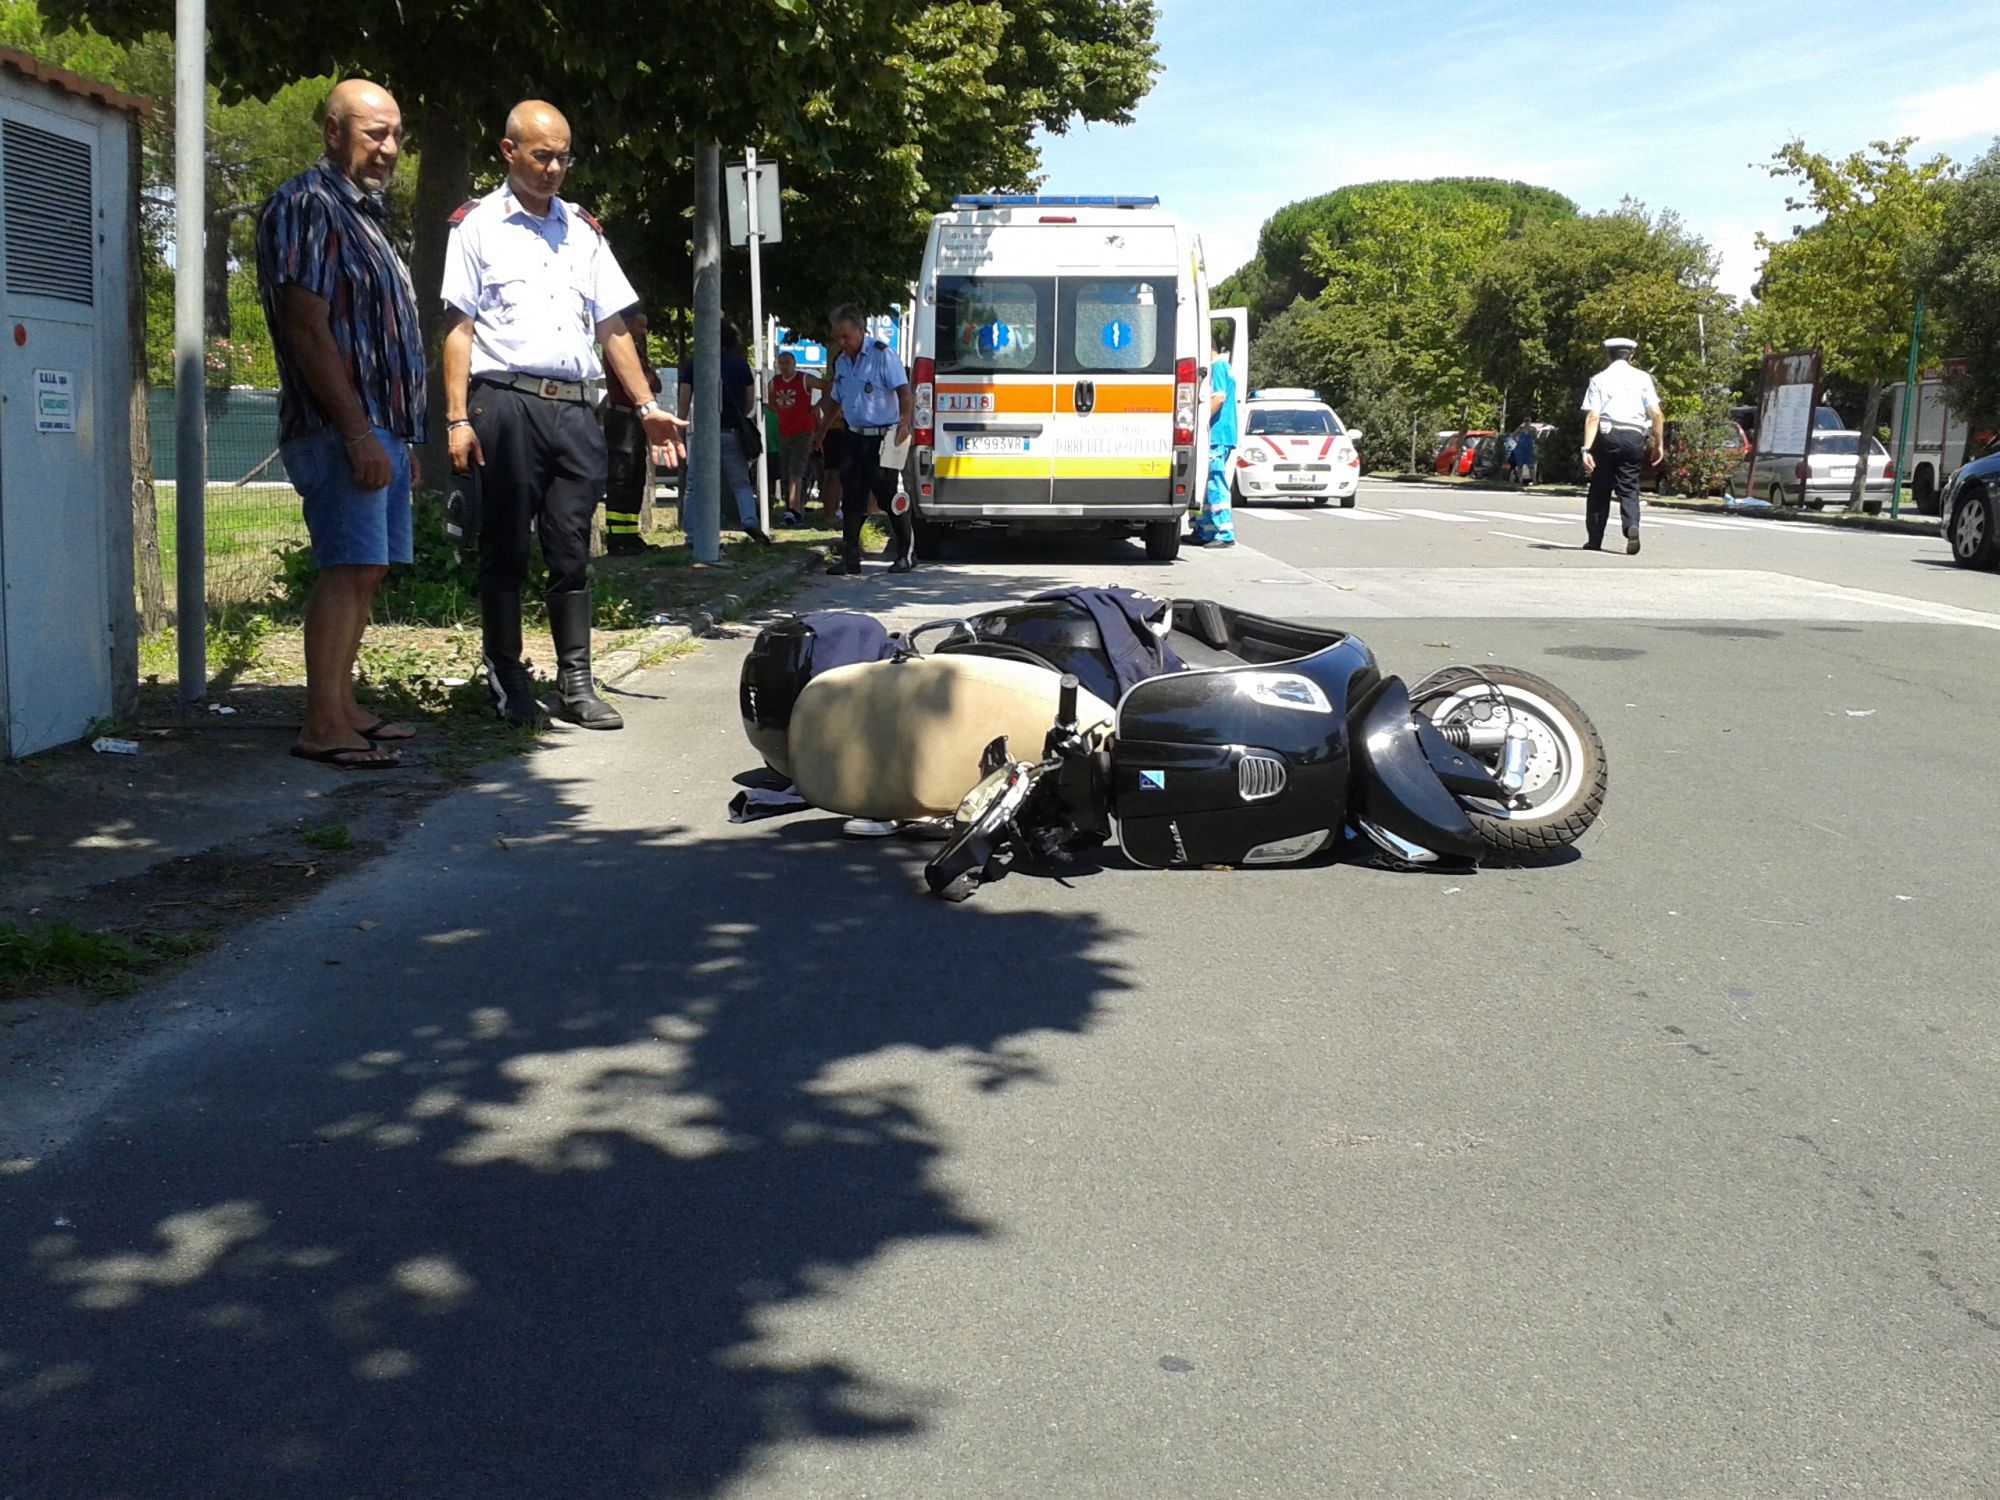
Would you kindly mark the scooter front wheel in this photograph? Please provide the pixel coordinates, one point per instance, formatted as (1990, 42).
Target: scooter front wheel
(1564, 776)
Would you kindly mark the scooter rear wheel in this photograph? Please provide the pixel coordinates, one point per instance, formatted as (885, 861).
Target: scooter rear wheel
(1565, 776)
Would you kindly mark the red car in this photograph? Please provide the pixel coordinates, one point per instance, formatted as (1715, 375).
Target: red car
(1459, 452)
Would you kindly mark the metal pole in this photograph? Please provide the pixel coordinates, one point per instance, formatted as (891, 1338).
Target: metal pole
(750, 184)
(701, 507)
(190, 428)
(1909, 397)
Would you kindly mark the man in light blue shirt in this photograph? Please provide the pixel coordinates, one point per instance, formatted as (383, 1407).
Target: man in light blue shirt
(1214, 525)
(872, 394)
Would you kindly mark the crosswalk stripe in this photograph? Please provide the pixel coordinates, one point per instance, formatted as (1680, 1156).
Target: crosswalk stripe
(1691, 525)
(1457, 519)
(1269, 515)
(1514, 515)
(1356, 513)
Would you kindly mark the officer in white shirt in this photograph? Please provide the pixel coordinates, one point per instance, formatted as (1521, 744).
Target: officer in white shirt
(1623, 422)
(871, 393)
(530, 290)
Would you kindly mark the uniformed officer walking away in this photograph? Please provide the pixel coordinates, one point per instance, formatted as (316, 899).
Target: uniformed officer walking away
(1623, 423)
(530, 291)
(871, 394)
(625, 448)
(1215, 521)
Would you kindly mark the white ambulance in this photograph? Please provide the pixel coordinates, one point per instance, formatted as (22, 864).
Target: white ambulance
(1059, 361)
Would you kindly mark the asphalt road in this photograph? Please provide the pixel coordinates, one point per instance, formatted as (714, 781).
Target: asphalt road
(589, 1145)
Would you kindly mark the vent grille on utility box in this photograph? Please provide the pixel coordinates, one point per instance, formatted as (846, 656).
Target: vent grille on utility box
(48, 200)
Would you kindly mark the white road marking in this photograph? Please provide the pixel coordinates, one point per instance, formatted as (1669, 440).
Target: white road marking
(1515, 515)
(1515, 536)
(1434, 515)
(1950, 614)
(1269, 515)
(1691, 525)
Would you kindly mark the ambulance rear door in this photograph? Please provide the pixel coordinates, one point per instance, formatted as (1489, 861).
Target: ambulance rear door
(1114, 396)
(994, 338)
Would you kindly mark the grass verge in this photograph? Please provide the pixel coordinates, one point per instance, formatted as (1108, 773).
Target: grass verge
(43, 955)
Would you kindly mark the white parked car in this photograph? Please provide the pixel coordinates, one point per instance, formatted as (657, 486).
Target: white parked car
(1827, 477)
(1292, 446)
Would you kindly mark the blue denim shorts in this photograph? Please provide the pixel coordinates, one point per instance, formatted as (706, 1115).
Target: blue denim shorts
(351, 526)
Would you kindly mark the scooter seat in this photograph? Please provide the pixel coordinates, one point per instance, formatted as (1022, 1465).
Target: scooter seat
(902, 739)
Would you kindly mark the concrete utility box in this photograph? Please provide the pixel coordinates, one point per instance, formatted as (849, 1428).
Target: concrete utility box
(67, 618)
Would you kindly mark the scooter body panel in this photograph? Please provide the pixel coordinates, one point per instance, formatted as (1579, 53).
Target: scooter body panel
(1398, 783)
(1238, 765)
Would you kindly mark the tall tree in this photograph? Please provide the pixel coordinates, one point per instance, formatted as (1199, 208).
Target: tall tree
(1282, 270)
(813, 83)
(1538, 309)
(1847, 284)
(1960, 270)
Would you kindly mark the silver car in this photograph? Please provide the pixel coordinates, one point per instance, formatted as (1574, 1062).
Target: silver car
(1824, 476)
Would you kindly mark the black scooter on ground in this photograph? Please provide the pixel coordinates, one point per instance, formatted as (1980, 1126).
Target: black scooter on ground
(1270, 742)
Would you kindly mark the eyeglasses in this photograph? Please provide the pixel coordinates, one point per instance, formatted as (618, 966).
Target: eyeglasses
(552, 158)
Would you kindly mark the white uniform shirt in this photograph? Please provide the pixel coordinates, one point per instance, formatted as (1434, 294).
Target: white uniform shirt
(866, 386)
(535, 288)
(1622, 396)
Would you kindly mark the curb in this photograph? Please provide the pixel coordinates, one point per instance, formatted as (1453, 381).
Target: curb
(1916, 525)
(704, 617)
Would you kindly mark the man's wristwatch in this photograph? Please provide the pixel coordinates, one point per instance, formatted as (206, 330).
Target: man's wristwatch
(649, 408)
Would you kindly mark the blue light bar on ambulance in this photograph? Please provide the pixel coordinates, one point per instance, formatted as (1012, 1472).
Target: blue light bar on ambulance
(1051, 200)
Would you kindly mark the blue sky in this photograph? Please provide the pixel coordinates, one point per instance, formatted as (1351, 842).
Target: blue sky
(1262, 102)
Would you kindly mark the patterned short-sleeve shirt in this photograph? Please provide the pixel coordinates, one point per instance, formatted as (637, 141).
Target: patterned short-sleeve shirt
(323, 234)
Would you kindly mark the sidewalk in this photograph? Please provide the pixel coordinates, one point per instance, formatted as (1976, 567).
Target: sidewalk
(211, 823)
(1909, 523)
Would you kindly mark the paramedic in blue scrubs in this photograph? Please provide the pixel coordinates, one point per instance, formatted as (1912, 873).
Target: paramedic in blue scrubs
(1213, 524)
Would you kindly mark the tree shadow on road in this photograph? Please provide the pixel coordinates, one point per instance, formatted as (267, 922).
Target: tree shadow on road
(530, 1165)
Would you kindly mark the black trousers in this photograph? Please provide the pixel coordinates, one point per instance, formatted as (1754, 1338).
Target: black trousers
(544, 473)
(862, 476)
(624, 469)
(1618, 453)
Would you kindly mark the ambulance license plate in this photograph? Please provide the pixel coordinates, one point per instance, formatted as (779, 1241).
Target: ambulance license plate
(992, 445)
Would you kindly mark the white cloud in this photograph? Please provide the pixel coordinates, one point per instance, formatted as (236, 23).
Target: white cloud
(1956, 112)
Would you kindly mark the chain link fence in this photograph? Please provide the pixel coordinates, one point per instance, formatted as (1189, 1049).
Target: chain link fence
(252, 511)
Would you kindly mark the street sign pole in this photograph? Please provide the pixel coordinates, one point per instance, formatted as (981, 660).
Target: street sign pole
(758, 346)
(1909, 398)
(190, 418)
(701, 505)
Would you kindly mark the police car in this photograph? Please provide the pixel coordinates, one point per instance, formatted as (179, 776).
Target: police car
(1292, 446)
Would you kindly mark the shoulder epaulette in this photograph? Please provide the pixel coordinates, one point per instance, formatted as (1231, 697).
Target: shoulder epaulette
(458, 214)
(881, 347)
(591, 219)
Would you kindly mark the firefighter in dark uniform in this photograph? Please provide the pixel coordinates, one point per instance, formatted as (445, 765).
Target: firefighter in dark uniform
(868, 390)
(625, 450)
(530, 291)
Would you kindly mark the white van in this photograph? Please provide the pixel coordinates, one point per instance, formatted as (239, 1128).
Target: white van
(1058, 363)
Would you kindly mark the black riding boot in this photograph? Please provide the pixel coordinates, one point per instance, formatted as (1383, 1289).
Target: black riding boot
(904, 544)
(576, 693)
(507, 676)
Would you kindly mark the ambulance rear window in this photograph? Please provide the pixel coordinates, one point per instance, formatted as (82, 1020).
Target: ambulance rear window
(994, 325)
(1122, 327)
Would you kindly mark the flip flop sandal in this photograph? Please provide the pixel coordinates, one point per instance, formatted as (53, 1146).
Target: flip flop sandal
(373, 733)
(341, 757)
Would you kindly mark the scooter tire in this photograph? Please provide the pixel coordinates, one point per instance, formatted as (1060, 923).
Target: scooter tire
(1574, 778)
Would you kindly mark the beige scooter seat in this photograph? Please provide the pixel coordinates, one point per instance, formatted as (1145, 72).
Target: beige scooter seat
(902, 739)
